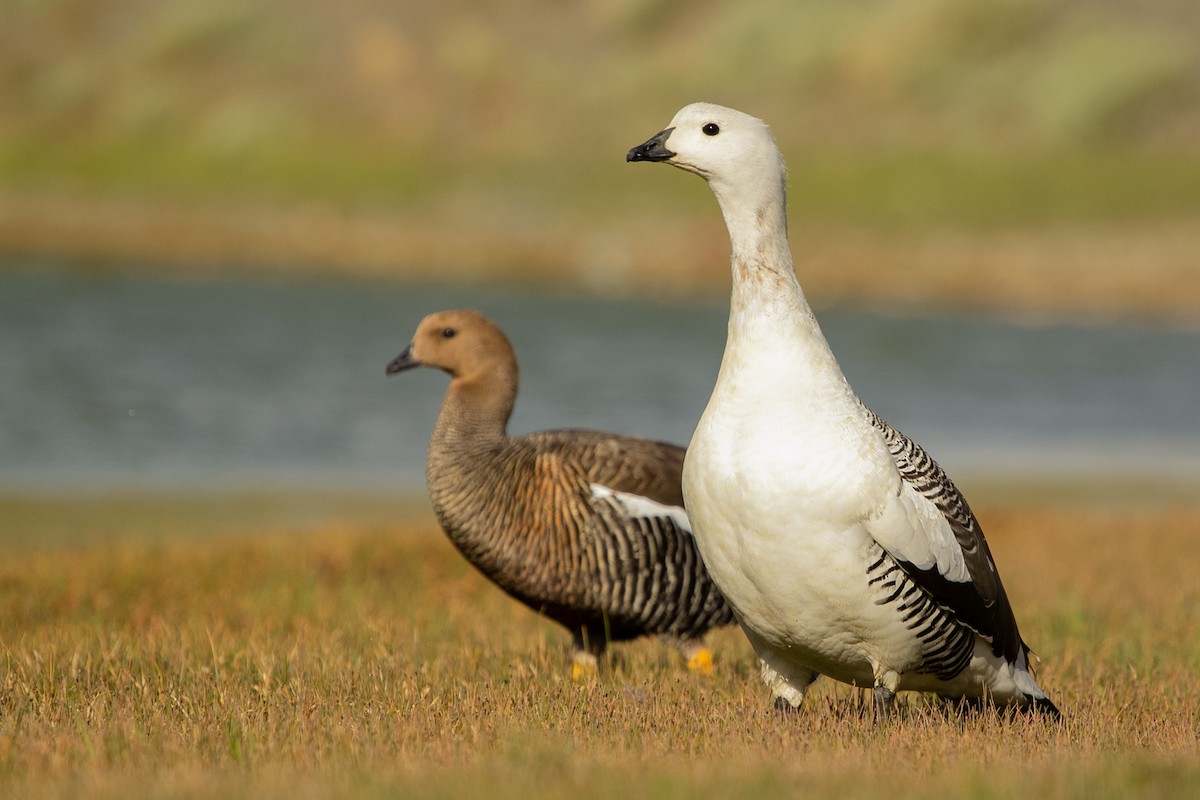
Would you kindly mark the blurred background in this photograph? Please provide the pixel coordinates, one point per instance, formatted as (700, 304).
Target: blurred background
(219, 220)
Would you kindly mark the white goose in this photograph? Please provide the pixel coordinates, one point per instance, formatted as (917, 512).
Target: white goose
(843, 548)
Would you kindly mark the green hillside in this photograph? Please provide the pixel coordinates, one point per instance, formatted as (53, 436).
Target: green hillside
(898, 117)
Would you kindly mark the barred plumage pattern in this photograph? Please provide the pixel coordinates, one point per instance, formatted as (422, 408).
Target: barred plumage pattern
(980, 605)
(524, 513)
(524, 510)
(946, 644)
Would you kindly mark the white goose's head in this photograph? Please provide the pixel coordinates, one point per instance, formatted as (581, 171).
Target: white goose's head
(736, 154)
(725, 147)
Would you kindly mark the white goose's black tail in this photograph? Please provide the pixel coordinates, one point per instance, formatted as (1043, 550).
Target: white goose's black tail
(1036, 700)
(1045, 706)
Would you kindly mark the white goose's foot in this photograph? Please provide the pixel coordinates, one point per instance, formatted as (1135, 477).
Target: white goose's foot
(887, 681)
(782, 706)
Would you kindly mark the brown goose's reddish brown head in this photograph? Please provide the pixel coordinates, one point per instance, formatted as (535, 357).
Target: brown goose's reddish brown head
(462, 342)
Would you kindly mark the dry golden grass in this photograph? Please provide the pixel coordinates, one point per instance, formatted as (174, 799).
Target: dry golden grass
(362, 659)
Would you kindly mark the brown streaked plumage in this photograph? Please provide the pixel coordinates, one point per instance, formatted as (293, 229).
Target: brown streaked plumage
(582, 526)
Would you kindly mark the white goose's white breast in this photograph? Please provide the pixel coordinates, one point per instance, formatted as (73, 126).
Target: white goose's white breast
(777, 484)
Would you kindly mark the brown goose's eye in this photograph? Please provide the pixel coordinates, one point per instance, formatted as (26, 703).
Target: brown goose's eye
(448, 333)
(711, 129)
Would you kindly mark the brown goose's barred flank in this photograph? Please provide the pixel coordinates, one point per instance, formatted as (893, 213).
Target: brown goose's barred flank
(585, 527)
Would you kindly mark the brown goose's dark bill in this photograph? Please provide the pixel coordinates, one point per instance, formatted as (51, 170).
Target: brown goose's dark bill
(402, 362)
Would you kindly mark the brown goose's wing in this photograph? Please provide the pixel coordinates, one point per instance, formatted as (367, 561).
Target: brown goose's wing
(622, 463)
(650, 577)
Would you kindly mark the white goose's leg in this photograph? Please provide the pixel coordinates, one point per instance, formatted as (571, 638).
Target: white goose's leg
(787, 683)
(886, 683)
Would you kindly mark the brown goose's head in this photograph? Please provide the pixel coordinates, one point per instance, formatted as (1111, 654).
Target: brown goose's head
(462, 342)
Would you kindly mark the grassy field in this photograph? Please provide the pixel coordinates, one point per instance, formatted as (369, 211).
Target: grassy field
(153, 650)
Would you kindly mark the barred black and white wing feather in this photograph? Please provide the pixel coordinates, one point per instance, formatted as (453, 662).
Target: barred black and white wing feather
(933, 536)
(587, 528)
(649, 571)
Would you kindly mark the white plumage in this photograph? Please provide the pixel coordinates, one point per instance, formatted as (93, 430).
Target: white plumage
(842, 547)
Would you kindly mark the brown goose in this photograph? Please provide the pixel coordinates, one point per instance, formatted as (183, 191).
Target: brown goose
(586, 528)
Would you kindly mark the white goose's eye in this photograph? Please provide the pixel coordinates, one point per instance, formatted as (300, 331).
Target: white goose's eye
(711, 129)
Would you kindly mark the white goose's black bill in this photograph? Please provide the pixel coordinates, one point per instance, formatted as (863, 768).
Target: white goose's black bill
(653, 149)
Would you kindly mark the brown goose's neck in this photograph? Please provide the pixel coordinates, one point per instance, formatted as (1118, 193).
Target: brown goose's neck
(468, 457)
(474, 415)
(470, 432)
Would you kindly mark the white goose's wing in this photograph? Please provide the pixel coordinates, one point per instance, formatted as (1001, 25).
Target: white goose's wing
(930, 531)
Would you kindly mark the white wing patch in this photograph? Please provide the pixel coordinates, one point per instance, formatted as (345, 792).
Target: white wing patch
(913, 529)
(635, 505)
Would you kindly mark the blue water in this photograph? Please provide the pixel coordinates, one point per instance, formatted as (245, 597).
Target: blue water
(118, 381)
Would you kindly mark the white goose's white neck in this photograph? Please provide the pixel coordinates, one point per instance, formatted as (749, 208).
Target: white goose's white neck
(756, 215)
(769, 317)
